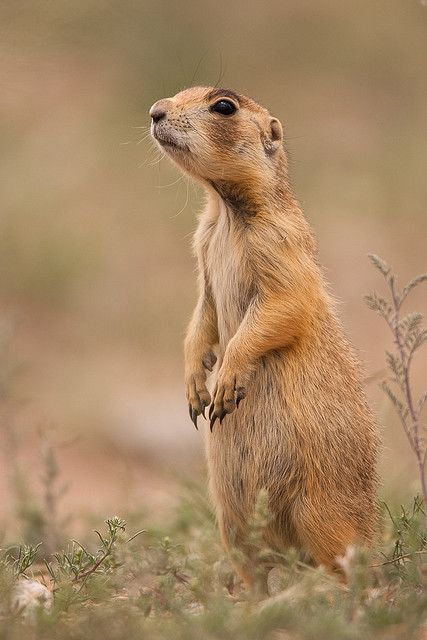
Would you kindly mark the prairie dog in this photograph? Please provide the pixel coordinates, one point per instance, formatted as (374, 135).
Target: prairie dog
(288, 413)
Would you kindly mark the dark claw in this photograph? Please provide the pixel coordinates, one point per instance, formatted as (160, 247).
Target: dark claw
(211, 409)
(204, 405)
(194, 415)
(213, 420)
(238, 401)
(222, 416)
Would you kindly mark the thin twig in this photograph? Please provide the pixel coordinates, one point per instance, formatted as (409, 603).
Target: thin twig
(402, 557)
(94, 567)
(405, 366)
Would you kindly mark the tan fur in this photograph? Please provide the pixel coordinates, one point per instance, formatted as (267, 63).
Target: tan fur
(303, 430)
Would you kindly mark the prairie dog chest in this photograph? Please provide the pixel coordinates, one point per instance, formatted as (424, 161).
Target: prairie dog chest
(228, 274)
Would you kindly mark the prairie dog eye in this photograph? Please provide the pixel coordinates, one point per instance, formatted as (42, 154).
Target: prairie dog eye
(224, 107)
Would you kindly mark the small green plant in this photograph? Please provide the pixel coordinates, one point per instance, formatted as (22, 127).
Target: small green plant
(25, 557)
(405, 551)
(408, 336)
(78, 563)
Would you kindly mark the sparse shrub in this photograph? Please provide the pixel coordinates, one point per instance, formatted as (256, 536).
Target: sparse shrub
(408, 336)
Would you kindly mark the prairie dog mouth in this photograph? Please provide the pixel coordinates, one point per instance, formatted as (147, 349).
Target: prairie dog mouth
(166, 138)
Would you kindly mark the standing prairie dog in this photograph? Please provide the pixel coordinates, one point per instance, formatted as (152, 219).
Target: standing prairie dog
(287, 414)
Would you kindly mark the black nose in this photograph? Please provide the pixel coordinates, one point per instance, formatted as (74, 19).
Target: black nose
(157, 113)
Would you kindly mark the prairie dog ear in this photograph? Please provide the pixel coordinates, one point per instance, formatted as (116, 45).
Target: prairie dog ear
(276, 130)
(274, 137)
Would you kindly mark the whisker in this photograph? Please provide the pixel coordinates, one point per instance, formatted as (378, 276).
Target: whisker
(185, 204)
(162, 155)
(149, 159)
(171, 184)
(221, 71)
(203, 56)
(144, 137)
(182, 70)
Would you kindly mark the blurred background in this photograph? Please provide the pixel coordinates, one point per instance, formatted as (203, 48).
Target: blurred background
(97, 281)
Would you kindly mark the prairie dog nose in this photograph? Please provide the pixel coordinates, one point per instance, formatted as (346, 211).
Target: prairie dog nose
(158, 111)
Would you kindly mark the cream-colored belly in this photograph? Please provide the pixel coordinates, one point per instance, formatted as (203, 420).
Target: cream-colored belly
(228, 278)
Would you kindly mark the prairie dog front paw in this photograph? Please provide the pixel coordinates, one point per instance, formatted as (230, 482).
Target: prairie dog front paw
(229, 392)
(195, 381)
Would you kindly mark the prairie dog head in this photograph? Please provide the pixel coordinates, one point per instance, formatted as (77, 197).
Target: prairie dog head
(218, 136)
